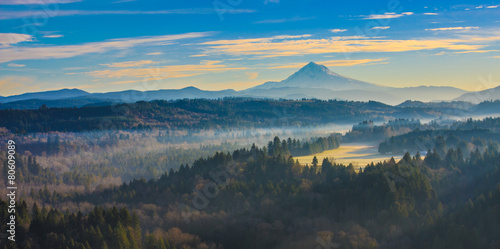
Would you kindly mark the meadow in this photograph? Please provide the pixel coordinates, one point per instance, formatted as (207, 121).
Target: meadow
(358, 154)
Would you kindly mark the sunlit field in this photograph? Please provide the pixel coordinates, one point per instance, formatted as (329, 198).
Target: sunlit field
(359, 154)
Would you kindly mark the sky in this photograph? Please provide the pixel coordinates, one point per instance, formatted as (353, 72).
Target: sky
(103, 46)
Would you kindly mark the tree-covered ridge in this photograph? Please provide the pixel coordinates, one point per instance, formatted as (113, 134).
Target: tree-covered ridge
(492, 124)
(50, 228)
(253, 199)
(134, 165)
(441, 140)
(368, 131)
(385, 192)
(296, 147)
(205, 114)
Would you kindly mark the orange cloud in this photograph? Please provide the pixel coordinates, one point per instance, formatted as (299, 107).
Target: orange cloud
(476, 51)
(165, 72)
(265, 47)
(15, 85)
(252, 76)
(332, 63)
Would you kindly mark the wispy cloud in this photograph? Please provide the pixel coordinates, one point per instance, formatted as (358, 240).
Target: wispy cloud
(123, 82)
(431, 14)
(338, 30)
(33, 2)
(333, 63)
(493, 7)
(272, 47)
(452, 28)
(252, 76)
(15, 65)
(155, 53)
(128, 63)
(284, 20)
(381, 27)
(5, 15)
(165, 72)
(198, 55)
(7, 39)
(387, 15)
(476, 51)
(67, 51)
(11, 85)
(53, 36)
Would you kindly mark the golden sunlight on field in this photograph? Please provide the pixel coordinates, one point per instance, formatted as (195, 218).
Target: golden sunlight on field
(359, 154)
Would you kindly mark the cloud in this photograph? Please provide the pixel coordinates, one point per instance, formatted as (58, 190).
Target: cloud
(338, 30)
(271, 1)
(272, 47)
(284, 20)
(128, 63)
(155, 53)
(381, 27)
(68, 51)
(452, 28)
(387, 15)
(7, 39)
(431, 14)
(123, 82)
(198, 55)
(476, 51)
(15, 65)
(53, 36)
(492, 7)
(6, 15)
(333, 63)
(11, 85)
(166, 72)
(32, 2)
(252, 76)
(256, 40)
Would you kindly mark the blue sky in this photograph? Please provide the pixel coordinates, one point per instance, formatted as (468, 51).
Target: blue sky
(101, 46)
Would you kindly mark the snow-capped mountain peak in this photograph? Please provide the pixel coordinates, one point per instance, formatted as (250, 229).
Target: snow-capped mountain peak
(314, 75)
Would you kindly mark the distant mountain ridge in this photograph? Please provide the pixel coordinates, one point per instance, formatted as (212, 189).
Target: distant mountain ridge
(480, 96)
(47, 95)
(311, 81)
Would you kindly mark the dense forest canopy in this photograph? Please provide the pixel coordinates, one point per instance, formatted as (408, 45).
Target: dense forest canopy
(466, 135)
(166, 175)
(208, 114)
(261, 198)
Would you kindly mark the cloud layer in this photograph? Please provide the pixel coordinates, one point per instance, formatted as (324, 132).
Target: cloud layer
(67, 51)
(305, 45)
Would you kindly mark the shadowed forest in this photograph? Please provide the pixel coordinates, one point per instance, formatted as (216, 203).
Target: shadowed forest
(176, 175)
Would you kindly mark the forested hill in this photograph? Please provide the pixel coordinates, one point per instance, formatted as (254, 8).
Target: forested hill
(251, 199)
(206, 114)
(442, 140)
(263, 198)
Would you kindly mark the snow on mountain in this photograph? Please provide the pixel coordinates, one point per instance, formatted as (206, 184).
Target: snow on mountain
(314, 75)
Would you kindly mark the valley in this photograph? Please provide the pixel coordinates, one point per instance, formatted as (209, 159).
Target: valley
(231, 124)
